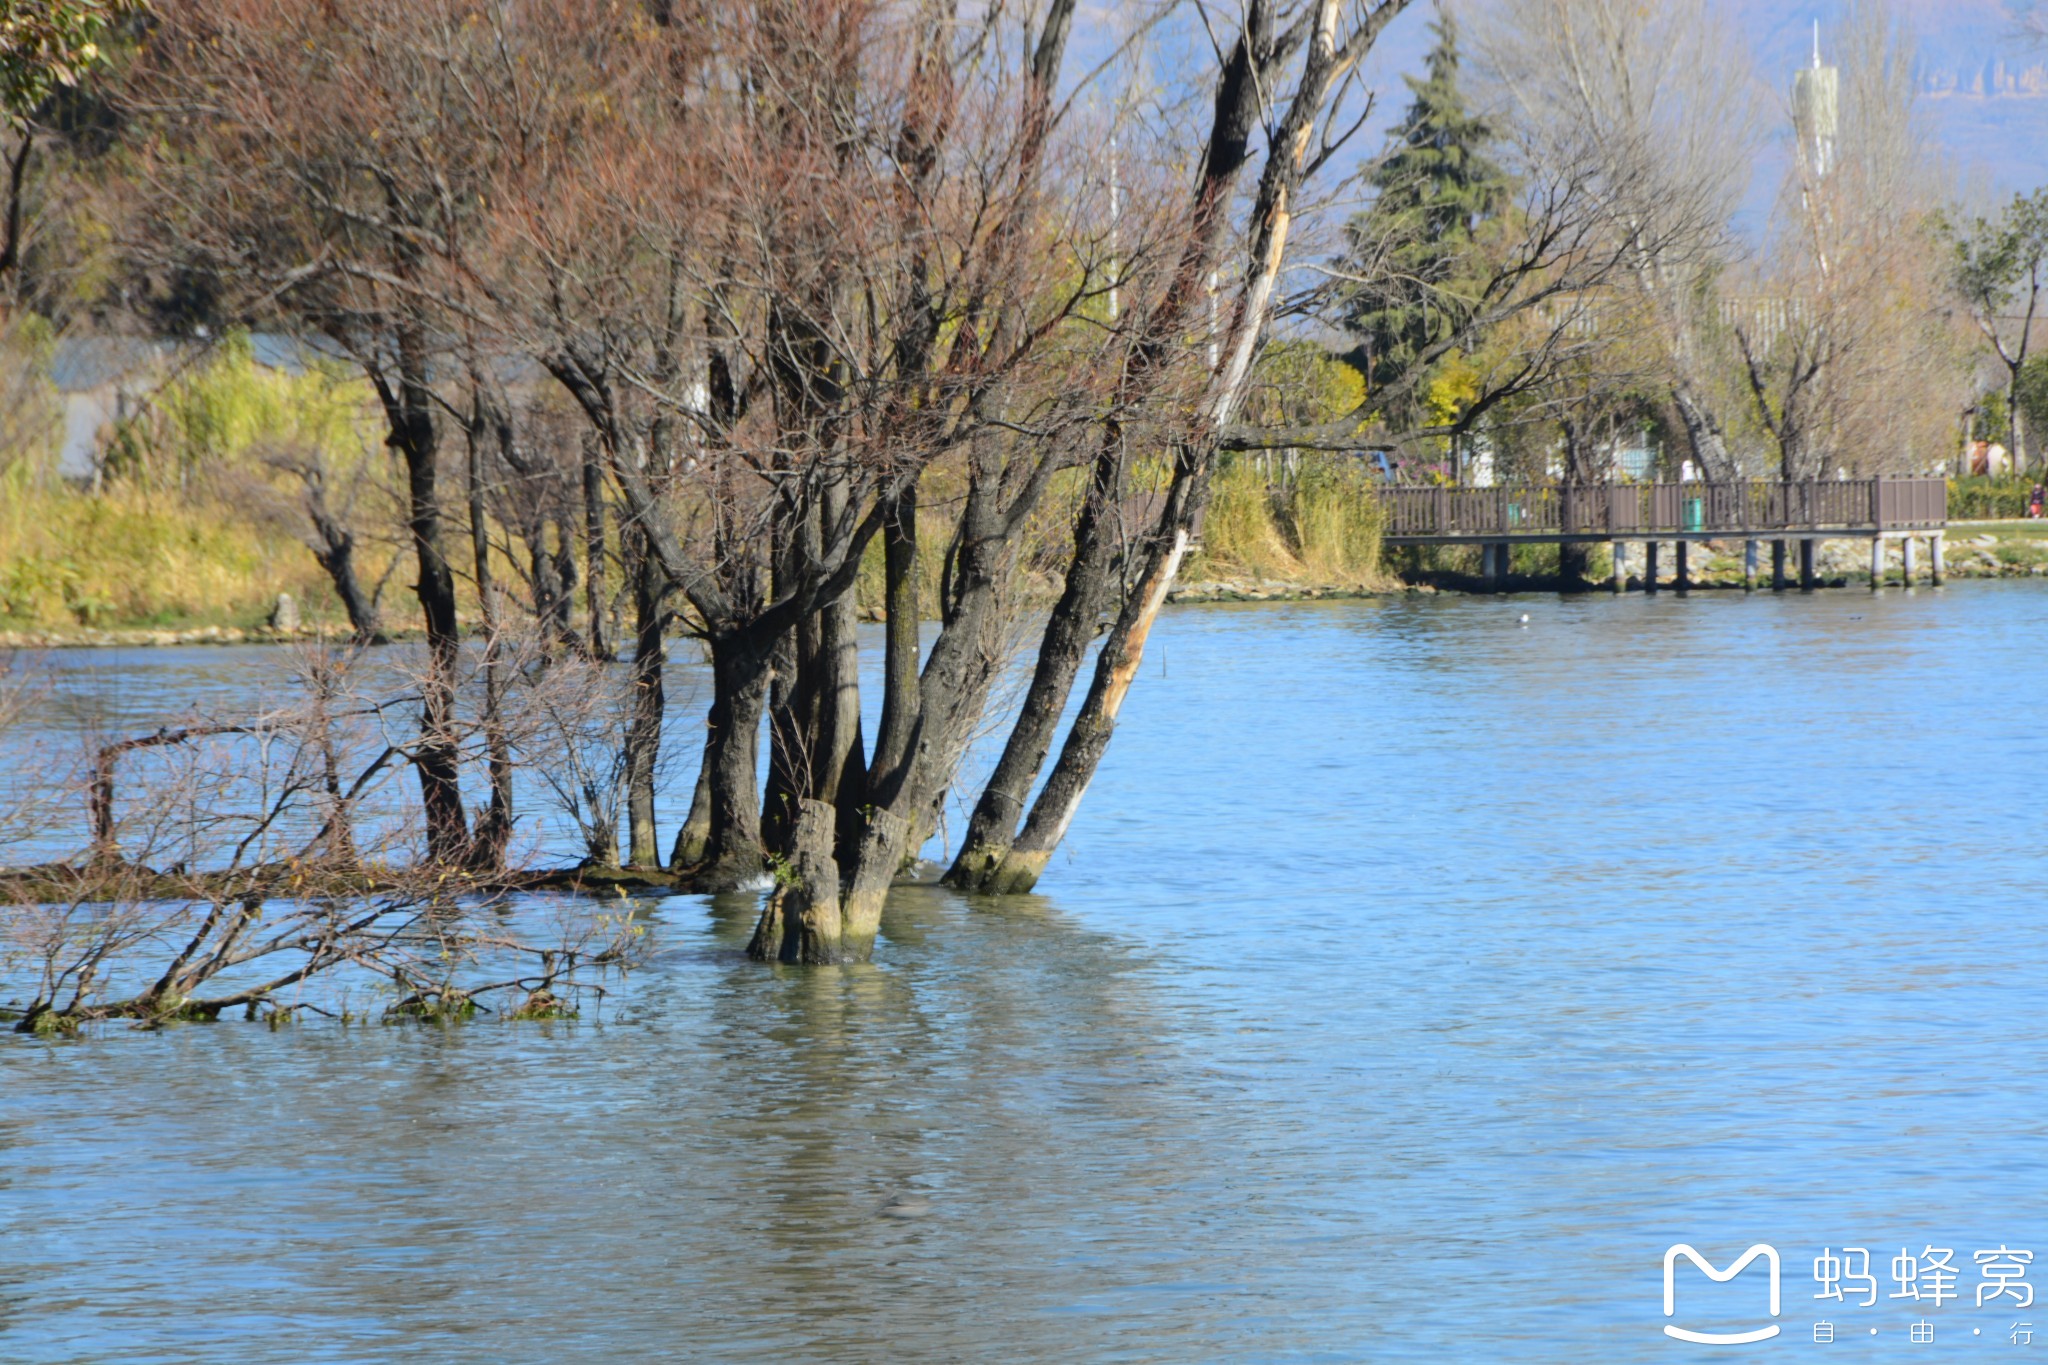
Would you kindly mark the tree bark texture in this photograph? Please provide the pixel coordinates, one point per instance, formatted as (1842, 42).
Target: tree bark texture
(732, 845)
(494, 825)
(599, 638)
(801, 922)
(643, 731)
(437, 757)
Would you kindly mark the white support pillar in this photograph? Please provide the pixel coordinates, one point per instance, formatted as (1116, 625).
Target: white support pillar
(1936, 570)
(1876, 563)
(1749, 566)
(1911, 561)
(1620, 574)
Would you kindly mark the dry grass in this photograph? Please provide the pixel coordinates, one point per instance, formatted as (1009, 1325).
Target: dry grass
(130, 556)
(1323, 528)
(189, 526)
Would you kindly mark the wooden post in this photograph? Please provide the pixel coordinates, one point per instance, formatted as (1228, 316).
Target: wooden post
(1936, 571)
(1650, 566)
(1876, 563)
(1909, 561)
(1806, 578)
(1684, 583)
(1749, 566)
(1619, 577)
(1778, 565)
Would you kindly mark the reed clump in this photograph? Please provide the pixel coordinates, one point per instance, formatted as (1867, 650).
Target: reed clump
(1313, 520)
(126, 556)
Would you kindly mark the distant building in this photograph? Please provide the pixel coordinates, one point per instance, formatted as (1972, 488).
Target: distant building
(1635, 461)
(1816, 93)
(102, 381)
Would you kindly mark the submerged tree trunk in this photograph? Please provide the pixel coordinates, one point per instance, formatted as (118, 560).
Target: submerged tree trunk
(494, 825)
(1116, 668)
(643, 732)
(789, 720)
(902, 616)
(840, 761)
(896, 809)
(1068, 631)
(990, 859)
(1271, 218)
(801, 922)
(818, 752)
(693, 837)
(437, 756)
(731, 855)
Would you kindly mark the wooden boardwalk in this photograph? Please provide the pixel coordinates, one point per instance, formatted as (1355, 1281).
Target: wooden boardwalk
(1881, 510)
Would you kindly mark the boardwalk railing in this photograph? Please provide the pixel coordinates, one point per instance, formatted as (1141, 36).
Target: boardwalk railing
(1617, 511)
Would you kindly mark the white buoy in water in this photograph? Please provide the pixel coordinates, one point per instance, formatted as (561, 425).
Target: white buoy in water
(1525, 618)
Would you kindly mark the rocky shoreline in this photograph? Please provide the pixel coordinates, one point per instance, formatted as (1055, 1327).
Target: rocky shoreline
(140, 637)
(1842, 563)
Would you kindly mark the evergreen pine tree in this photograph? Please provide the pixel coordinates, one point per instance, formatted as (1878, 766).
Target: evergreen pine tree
(1435, 187)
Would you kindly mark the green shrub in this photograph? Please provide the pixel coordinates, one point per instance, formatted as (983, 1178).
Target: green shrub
(1988, 499)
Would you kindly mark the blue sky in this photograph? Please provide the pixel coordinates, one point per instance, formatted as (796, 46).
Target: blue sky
(1996, 141)
(1983, 81)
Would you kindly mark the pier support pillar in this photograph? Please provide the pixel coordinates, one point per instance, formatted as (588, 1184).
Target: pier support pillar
(1909, 562)
(1618, 579)
(1749, 566)
(1936, 571)
(1806, 577)
(1876, 563)
(1777, 566)
(1650, 548)
(1684, 583)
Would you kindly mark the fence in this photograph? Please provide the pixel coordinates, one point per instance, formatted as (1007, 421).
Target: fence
(1617, 511)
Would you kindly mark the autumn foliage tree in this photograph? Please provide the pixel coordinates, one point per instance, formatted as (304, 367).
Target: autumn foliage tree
(719, 304)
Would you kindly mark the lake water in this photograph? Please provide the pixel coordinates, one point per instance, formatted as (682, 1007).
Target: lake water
(1412, 979)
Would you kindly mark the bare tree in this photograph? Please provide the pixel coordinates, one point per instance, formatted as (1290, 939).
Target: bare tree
(1840, 339)
(1656, 106)
(251, 863)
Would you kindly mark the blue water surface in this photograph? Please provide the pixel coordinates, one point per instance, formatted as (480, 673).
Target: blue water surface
(1413, 978)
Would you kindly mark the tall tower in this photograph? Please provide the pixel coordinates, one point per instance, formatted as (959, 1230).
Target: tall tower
(1814, 94)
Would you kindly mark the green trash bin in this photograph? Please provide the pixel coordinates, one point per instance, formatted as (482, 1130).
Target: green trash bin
(1695, 514)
